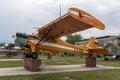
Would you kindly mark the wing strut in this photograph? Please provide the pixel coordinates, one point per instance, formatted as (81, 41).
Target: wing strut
(44, 36)
(52, 38)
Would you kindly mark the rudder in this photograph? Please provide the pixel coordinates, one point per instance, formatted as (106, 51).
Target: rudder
(92, 43)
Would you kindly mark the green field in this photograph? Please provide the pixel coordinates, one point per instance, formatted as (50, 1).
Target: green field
(84, 75)
(58, 60)
(66, 60)
(3, 56)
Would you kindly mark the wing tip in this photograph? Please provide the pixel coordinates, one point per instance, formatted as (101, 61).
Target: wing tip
(95, 21)
(101, 26)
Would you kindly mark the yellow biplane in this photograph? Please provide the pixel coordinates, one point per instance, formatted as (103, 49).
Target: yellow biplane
(48, 37)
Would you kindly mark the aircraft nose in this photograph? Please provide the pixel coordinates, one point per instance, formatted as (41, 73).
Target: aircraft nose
(21, 39)
(21, 35)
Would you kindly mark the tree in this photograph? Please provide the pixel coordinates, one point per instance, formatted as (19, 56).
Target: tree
(72, 38)
(2, 44)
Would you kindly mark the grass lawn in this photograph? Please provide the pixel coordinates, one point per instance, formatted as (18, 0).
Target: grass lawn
(66, 60)
(57, 60)
(5, 64)
(84, 75)
(3, 56)
(110, 62)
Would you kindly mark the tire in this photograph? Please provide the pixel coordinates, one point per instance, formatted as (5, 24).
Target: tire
(34, 55)
(105, 59)
(117, 57)
(28, 55)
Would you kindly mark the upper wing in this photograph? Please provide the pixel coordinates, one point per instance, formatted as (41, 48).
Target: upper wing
(75, 20)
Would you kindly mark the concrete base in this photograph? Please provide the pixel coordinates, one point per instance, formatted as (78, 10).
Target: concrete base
(15, 54)
(23, 56)
(9, 55)
(49, 56)
(91, 62)
(32, 64)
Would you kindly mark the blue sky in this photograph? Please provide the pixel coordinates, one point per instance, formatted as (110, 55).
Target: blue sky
(23, 15)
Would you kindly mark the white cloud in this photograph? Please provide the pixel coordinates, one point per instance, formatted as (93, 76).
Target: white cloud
(23, 15)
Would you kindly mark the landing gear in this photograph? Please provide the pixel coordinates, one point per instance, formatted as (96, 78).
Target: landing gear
(91, 55)
(27, 55)
(33, 55)
(117, 57)
(105, 59)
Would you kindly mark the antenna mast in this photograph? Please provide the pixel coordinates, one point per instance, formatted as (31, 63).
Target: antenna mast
(60, 10)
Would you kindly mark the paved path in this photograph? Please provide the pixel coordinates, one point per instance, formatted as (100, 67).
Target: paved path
(10, 59)
(15, 59)
(51, 69)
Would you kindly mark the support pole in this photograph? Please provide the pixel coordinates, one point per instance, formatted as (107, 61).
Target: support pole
(49, 56)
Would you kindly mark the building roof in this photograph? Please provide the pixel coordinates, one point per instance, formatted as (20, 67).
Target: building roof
(103, 37)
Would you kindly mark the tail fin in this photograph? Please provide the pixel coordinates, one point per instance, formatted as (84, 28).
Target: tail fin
(92, 44)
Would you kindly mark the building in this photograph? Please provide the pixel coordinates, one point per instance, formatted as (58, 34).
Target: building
(112, 43)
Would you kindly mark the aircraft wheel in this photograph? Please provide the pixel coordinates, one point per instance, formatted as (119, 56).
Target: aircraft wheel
(28, 55)
(34, 55)
(117, 57)
(105, 59)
